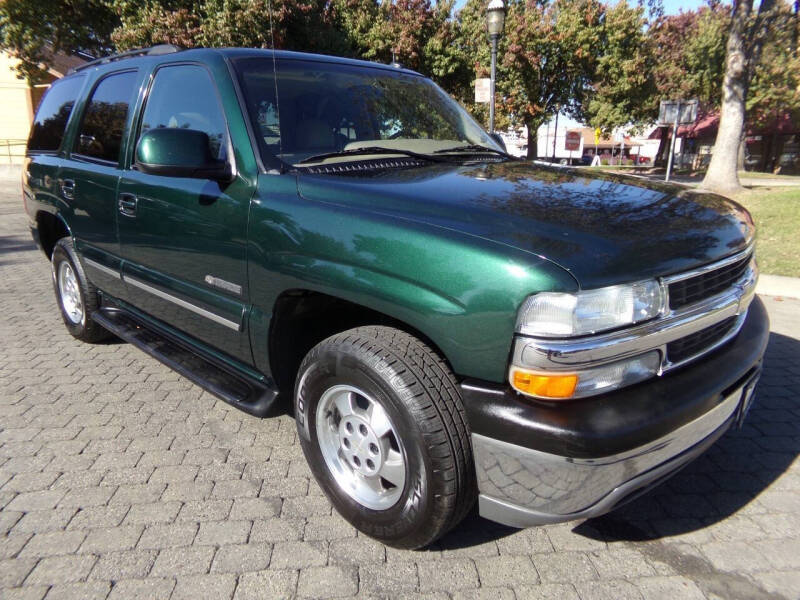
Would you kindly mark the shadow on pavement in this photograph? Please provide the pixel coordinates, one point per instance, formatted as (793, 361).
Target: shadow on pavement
(11, 244)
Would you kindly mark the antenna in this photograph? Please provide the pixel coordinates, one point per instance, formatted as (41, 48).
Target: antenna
(275, 81)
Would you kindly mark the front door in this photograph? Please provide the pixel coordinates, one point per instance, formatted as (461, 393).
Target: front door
(184, 239)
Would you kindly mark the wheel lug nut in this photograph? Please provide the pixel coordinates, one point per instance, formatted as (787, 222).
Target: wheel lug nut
(346, 443)
(370, 464)
(356, 461)
(362, 429)
(373, 448)
(349, 427)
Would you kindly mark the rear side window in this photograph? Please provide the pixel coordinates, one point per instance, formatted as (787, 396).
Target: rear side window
(185, 96)
(105, 117)
(52, 115)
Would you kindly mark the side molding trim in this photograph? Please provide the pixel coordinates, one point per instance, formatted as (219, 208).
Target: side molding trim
(183, 304)
(102, 268)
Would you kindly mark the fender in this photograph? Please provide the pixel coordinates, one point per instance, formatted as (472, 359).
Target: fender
(460, 291)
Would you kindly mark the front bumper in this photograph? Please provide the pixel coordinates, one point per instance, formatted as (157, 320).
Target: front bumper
(541, 463)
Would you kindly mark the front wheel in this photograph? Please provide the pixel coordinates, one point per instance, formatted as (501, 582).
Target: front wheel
(383, 428)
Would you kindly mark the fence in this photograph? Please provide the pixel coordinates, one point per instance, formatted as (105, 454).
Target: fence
(12, 151)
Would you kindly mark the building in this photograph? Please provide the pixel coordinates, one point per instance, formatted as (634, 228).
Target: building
(773, 147)
(619, 148)
(19, 101)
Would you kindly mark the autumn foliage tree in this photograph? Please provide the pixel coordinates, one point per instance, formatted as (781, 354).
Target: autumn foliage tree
(623, 86)
(32, 31)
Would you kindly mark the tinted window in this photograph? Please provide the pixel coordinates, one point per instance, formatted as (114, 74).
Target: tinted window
(53, 113)
(184, 96)
(104, 120)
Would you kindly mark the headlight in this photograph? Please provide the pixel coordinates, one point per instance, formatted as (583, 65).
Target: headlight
(550, 314)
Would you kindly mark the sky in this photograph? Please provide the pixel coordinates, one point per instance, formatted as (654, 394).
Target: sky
(671, 7)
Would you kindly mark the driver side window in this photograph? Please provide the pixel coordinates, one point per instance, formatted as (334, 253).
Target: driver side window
(184, 96)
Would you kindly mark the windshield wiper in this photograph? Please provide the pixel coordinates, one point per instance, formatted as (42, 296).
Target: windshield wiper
(368, 150)
(472, 148)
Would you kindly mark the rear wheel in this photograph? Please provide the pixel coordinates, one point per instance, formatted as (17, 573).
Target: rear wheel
(383, 429)
(76, 296)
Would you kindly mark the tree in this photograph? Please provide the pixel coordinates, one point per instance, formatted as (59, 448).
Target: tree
(150, 23)
(32, 31)
(689, 53)
(623, 86)
(290, 24)
(748, 31)
(774, 93)
(549, 60)
(546, 58)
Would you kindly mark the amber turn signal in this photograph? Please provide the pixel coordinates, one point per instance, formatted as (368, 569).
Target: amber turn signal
(554, 387)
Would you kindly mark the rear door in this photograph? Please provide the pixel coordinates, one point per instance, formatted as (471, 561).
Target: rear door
(41, 191)
(90, 175)
(184, 239)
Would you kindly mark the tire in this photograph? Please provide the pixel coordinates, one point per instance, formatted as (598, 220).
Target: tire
(68, 273)
(419, 395)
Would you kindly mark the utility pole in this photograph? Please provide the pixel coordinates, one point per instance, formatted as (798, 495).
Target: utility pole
(491, 85)
(555, 137)
(495, 22)
(672, 143)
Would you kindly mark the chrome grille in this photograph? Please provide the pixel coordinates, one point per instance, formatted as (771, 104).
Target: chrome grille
(696, 343)
(705, 285)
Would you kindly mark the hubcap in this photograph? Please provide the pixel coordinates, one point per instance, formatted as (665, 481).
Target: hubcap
(69, 292)
(361, 447)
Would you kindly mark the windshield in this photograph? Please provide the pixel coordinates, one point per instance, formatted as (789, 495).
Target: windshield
(328, 112)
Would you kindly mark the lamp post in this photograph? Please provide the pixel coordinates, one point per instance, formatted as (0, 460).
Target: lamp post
(495, 21)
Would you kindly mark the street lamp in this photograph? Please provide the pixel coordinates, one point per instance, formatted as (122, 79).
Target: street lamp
(495, 21)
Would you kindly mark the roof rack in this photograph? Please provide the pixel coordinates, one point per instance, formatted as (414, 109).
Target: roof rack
(152, 51)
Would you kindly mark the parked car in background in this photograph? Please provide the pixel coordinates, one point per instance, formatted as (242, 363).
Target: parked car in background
(447, 324)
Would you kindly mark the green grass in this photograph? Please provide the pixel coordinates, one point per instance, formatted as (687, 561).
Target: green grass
(776, 212)
(759, 175)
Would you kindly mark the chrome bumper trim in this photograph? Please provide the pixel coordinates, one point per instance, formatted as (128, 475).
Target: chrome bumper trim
(522, 487)
(571, 354)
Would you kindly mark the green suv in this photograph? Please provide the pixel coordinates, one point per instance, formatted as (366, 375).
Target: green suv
(341, 239)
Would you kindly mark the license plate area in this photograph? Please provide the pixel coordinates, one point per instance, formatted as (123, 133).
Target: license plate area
(748, 395)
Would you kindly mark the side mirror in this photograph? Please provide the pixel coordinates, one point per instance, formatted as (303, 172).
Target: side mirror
(499, 140)
(175, 152)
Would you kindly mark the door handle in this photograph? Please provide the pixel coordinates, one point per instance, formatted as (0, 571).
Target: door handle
(68, 189)
(127, 204)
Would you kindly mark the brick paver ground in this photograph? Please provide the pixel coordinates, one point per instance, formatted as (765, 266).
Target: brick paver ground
(120, 479)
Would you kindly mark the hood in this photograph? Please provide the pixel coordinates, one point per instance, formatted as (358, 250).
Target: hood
(603, 228)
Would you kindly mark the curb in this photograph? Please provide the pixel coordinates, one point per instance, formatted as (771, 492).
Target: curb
(778, 285)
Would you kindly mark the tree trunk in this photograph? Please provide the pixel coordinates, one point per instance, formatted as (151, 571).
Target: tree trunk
(743, 52)
(722, 175)
(663, 148)
(533, 139)
(741, 153)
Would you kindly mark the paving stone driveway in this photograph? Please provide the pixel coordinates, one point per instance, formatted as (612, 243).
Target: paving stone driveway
(120, 479)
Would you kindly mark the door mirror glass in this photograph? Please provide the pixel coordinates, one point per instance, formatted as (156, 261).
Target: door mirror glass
(177, 152)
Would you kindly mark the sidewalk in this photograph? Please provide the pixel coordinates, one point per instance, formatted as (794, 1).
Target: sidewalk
(778, 285)
(10, 172)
